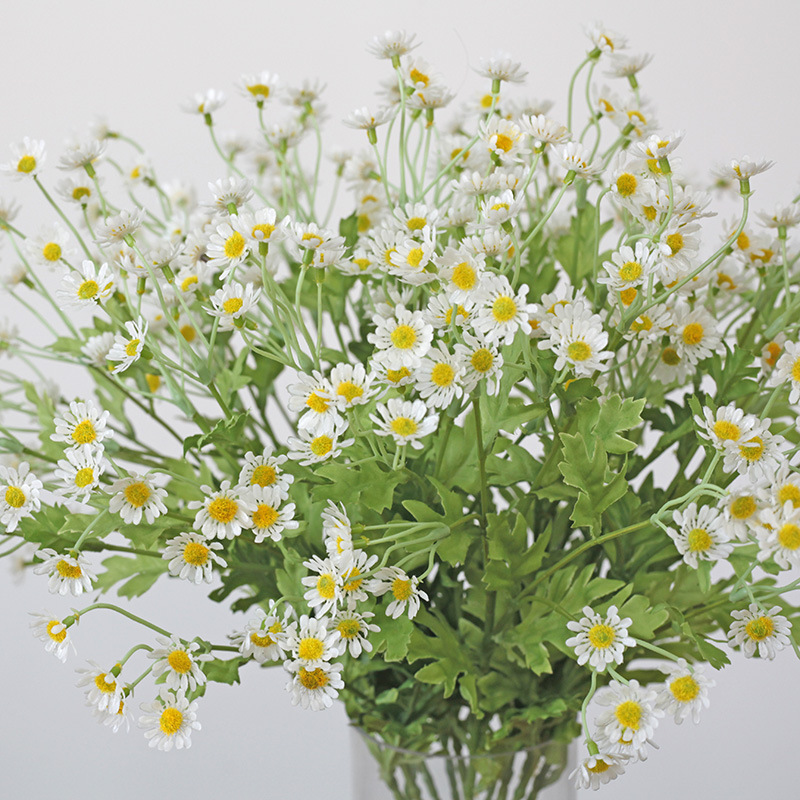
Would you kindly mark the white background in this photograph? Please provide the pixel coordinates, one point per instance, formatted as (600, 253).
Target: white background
(725, 72)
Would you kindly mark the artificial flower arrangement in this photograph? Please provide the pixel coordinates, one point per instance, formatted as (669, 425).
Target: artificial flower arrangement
(420, 443)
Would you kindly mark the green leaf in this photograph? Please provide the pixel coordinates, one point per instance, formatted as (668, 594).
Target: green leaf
(223, 670)
(138, 573)
(394, 635)
(511, 559)
(226, 432)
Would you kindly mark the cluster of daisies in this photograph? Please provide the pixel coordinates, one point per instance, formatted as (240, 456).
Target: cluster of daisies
(388, 325)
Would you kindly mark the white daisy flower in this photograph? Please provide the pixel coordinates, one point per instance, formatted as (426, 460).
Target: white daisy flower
(53, 633)
(265, 470)
(629, 267)
(401, 339)
(137, 496)
(261, 227)
(701, 535)
(784, 488)
(574, 157)
(671, 366)
(119, 228)
(405, 591)
(624, 65)
(740, 511)
(127, 349)
(180, 662)
(114, 718)
(27, 159)
(314, 688)
(19, 495)
(223, 513)
(365, 120)
(500, 66)
(77, 189)
(416, 220)
(631, 718)
(743, 169)
(229, 191)
(353, 589)
(259, 88)
(104, 692)
(502, 137)
(87, 286)
(405, 421)
(97, 348)
(600, 640)
(577, 338)
(353, 628)
(67, 573)
(728, 424)
(685, 691)
(262, 637)
(439, 313)
(787, 370)
(498, 210)
(311, 448)
(232, 303)
(269, 519)
(325, 589)
(82, 155)
(169, 720)
(438, 377)
(49, 247)
(678, 249)
(695, 335)
(351, 385)
(227, 248)
(780, 535)
(648, 327)
(192, 557)
(502, 311)
(409, 259)
(544, 130)
(480, 360)
(757, 630)
(461, 274)
(657, 145)
(758, 457)
(392, 45)
(311, 644)
(204, 102)
(313, 394)
(781, 217)
(596, 770)
(80, 472)
(337, 535)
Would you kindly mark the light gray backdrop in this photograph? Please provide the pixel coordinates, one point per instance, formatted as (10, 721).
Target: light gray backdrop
(726, 72)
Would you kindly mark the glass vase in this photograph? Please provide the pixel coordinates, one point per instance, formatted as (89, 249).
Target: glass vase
(385, 772)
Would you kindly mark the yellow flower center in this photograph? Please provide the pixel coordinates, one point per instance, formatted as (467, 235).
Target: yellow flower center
(486, 101)
(789, 492)
(460, 312)
(264, 229)
(132, 346)
(419, 77)
(83, 477)
(67, 570)
(153, 381)
(684, 689)
(26, 164)
(321, 446)
(464, 276)
(404, 426)
(503, 142)
(310, 648)
(579, 351)
(774, 350)
(403, 337)
(105, 687)
(669, 355)
(675, 242)
(137, 494)
(504, 308)
(396, 375)
(789, 536)
(84, 432)
(693, 333)
(724, 429)
(649, 212)
(760, 629)
(15, 497)
(402, 589)
(630, 271)
(349, 628)
(362, 263)
(258, 90)
(195, 554)
(56, 637)
(80, 192)
(232, 305)
(326, 586)
(263, 475)
(352, 581)
(261, 641)
(188, 332)
(313, 679)
(753, 449)
(88, 289)
(628, 296)
(743, 507)
(416, 223)
(314, 239)
(51, 251)
(317, 403)
(265, 516)
(187, 283)
(415, 255)
(743, 241)
(699, 540)
(626, 184)
(642, 323)
(234, 245)
(629, 714)
(179, 661)
(482, 360)
(442, 374)
(349, 390)
(171, 721)
(601, 636)
(223, 509)
(599, 767)
(796, 371)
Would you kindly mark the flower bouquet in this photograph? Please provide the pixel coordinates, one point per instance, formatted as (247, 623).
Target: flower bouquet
(493, 440)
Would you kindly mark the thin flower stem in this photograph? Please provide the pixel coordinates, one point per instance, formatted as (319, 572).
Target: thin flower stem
(128, 614)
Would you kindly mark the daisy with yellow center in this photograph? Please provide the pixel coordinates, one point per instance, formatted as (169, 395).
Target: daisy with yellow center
(270, 519)
(629, 267)
(80, 472)
(577, 338)
(759, 630)
(192, 557)
(136, 497)
(758, 456)
(228, 247)
(50, 247)
(401, 339)
(405, 421)
(314, 689)
(67, 574)
(351, 385)
(701, 535)
(260, 87)
(502, 137)
(265, 470)
(438, 377)
(481, 361)
(102, 688)
(232, 303)
(353, 628)
(600, 640)
(741, 513)
(264, 635)
(224, 513)
(325, 586)
(779, 538)
(311, 643)
(312, 397)
(787, 371)
(19, 495)
(81, 425)
(685, 691)
(631, 718)
(727, 425)
(55, 635)
(409, 260)
(354, 589)
(695, 334)
(337, 534)
(461, 273)
(127, 348)
(26, 160)
(404, 590)
(169, 720)
(502, 312)
(86, 286)
(597, 770)
(311, 447)
(180, 662)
